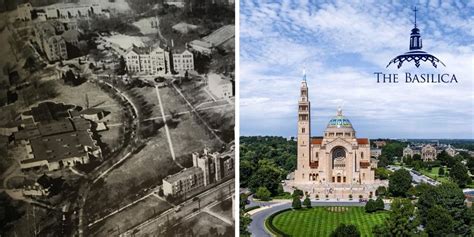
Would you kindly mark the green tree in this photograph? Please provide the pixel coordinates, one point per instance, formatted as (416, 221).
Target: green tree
(246, 170)
(401, 220)
(245, 221)
(297, 193)
(307, 202)
(370, 206)
(379, 204)
(399, 183)
(122, 67)
(345, 230)
(268, 175)
(450, 197)
(381, 191)
(243, 200)
(460, 175)
(470, 164)
(296, 204)
(441, 171)
(439, 222)
(263, 194)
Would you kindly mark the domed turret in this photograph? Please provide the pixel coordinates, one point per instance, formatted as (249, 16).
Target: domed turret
(339, 126)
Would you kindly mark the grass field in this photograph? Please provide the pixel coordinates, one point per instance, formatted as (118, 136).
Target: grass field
(320, 221)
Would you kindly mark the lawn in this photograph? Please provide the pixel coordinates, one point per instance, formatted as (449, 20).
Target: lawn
(320, 221)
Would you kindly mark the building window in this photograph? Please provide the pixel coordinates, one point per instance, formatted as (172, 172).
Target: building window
(302, 130)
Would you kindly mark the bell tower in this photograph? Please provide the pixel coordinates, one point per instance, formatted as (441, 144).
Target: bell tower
(304, 133)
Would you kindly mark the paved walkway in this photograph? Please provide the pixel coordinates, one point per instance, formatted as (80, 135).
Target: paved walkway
(197, 114)
(168, 136)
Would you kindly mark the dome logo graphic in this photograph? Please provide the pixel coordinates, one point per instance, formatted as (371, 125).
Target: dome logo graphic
(415, 53)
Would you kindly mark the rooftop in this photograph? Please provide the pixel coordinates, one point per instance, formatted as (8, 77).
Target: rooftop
(60, 146)
(55, 127)
(221, 35)
(181, 174)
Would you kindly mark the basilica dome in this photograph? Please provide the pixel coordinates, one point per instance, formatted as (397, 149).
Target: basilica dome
(339, 121)
(339, 126)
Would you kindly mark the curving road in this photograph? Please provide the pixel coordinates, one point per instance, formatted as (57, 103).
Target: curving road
(257, 226)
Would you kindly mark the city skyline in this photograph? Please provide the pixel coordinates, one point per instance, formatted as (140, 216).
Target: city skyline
(342, 46)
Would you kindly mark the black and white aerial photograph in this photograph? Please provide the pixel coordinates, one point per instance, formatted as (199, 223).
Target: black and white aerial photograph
(117, 118)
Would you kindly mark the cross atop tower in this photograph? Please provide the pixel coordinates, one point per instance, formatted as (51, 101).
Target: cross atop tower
(415, 10)
(304, 74)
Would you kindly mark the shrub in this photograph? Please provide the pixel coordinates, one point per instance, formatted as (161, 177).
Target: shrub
(263, 194)
(307, 202)
(379, 204)
(296, 204)
(370, 206)
(344, 230)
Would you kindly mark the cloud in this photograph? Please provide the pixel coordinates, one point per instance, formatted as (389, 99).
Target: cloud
(341, 44)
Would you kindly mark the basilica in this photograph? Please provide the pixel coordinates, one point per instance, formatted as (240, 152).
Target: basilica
(336, 165)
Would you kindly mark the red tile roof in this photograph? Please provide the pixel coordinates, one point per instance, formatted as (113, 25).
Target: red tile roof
(316, 140)
(362, 141)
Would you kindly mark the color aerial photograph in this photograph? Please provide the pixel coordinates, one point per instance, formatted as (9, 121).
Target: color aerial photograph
(117, 118)
(356, 118)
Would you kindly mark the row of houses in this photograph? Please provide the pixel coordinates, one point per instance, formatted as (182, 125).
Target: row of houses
(208, 168)
(62, 11)
(428, 152)
(156, 60)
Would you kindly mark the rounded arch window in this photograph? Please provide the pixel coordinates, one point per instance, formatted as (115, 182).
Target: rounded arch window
(338, 158)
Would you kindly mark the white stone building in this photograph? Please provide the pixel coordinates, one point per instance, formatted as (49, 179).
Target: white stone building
(183, 182)
(337, 165)
(183, 61)
(219, 86)
(147, 60)
(23, 12)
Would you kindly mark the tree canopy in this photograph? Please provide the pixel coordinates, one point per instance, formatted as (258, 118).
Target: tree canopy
(399, 183)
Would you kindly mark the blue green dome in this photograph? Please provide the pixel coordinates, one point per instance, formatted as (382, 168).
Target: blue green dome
(339, 121)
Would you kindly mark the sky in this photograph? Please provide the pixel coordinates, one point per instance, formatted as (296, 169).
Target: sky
(340, 44)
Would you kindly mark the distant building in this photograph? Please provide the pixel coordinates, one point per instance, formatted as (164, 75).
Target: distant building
(61, 150)
(147, 60)
(451, 151)
(71, 37)
(23, 12)
(219, 86)
(70, 10)
(184, 181)
(183, 61)
(208, 168)
(92, 114)
(380, 143)
(53, 45)
(223, 38)
(375, 152)
(428, 152)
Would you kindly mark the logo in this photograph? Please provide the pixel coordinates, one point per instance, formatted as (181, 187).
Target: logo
(415, 54)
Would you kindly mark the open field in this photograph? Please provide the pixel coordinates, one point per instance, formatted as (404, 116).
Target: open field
(130, 217)
(153, 162)
(320, 221)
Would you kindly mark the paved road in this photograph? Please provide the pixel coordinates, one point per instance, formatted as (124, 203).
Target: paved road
(417, 177)
(257, 226)
(207, 198)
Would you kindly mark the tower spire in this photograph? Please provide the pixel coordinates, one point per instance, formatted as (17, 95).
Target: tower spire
(304, 73)
(415, 10)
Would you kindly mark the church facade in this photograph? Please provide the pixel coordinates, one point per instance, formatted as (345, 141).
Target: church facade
(336, 165)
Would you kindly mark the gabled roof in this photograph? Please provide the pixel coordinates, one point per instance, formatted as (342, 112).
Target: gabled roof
(316, 141)
(221, 35)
